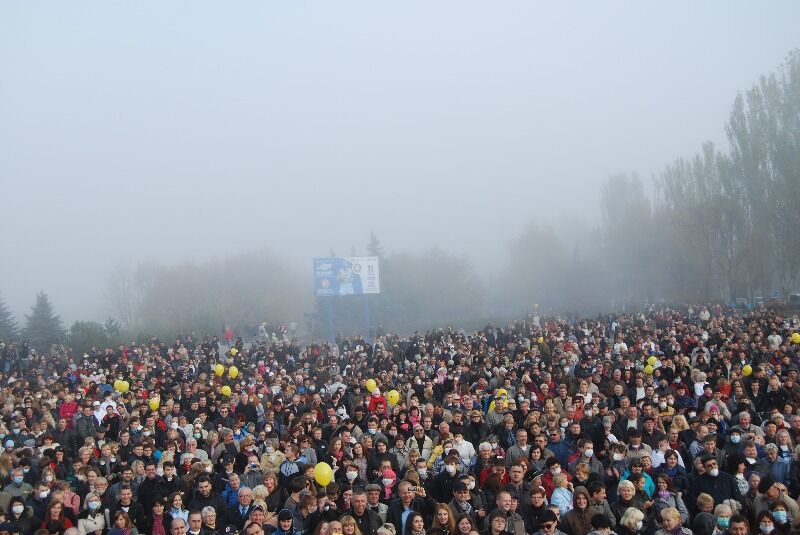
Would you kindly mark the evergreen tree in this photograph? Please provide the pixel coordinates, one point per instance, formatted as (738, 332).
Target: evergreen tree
(43, 327)
(112, 328)
(374, 247)
(8, 324)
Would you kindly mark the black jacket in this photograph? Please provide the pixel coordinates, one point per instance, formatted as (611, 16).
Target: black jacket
(368, 523)
(425, 506)
(213, 500)
(135, 511)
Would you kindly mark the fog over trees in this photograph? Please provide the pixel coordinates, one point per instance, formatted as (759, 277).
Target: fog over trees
(720, 224)
(576, 157)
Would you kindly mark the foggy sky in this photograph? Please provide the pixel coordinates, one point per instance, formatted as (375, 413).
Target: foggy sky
(190, 130)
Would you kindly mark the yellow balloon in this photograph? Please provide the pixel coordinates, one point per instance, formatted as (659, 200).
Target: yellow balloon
(393, 397)
(652, 361)
(226, 391)
(796, 338)
(371, 385)
(234, 351)
(323, 474)
(118, 385)
(747, 370)
(541, 339)
(154, 404)
(125, 386)
(648, 369)
(233, 372)
(219, 369)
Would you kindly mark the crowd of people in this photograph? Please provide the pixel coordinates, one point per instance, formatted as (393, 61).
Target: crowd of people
(668, 422)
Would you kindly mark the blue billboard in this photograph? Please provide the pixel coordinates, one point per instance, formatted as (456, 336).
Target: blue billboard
(354, 275)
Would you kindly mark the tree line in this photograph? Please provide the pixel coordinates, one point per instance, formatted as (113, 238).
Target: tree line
(720, 224)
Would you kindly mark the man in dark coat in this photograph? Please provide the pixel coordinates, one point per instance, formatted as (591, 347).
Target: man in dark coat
(367, 520)
(719, 485)
(410, 500)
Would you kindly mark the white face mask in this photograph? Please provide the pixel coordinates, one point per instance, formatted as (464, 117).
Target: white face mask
(18, 509)
(618, 457)
(588, 453)
(714, 472)
(387, 482)
(555, 471)
(422, 472)
(351, 476)
(451, 469)
(471, 485)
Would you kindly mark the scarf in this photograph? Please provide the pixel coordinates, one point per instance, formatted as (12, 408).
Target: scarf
(158, 525)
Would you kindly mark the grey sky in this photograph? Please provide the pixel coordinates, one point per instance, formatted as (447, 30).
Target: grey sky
(187, 130)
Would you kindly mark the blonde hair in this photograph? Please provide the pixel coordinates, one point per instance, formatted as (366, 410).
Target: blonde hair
(631, 517)
(582, 468)
(671, 512)
(625, 484)
(347, 519)
(260, 492)
(704, 499)
(679, 422)
(560, 480)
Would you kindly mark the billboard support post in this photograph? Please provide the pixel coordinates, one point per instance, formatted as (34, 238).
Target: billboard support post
(366, 318)
(331, 338)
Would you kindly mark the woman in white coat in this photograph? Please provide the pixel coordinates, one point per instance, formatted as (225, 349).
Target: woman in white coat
(91, 520)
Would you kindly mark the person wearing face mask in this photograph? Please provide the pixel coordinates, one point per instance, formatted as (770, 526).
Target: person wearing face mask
(765, 522)
(552, 469)
(713, 524)
(352, 477)
(21, 517)
(769, 494)
(442, 487)
(586, 447)
(18, 487)
(719, 485)
(631, 522)
(91, 520)
(388, 480)
(39, 499)
(306, 516)
(783, 522)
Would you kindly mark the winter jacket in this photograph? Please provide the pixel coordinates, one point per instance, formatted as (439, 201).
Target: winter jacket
(579, 521)
(89, 523)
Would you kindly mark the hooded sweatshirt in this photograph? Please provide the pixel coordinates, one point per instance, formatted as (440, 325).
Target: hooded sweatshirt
(579, 521)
